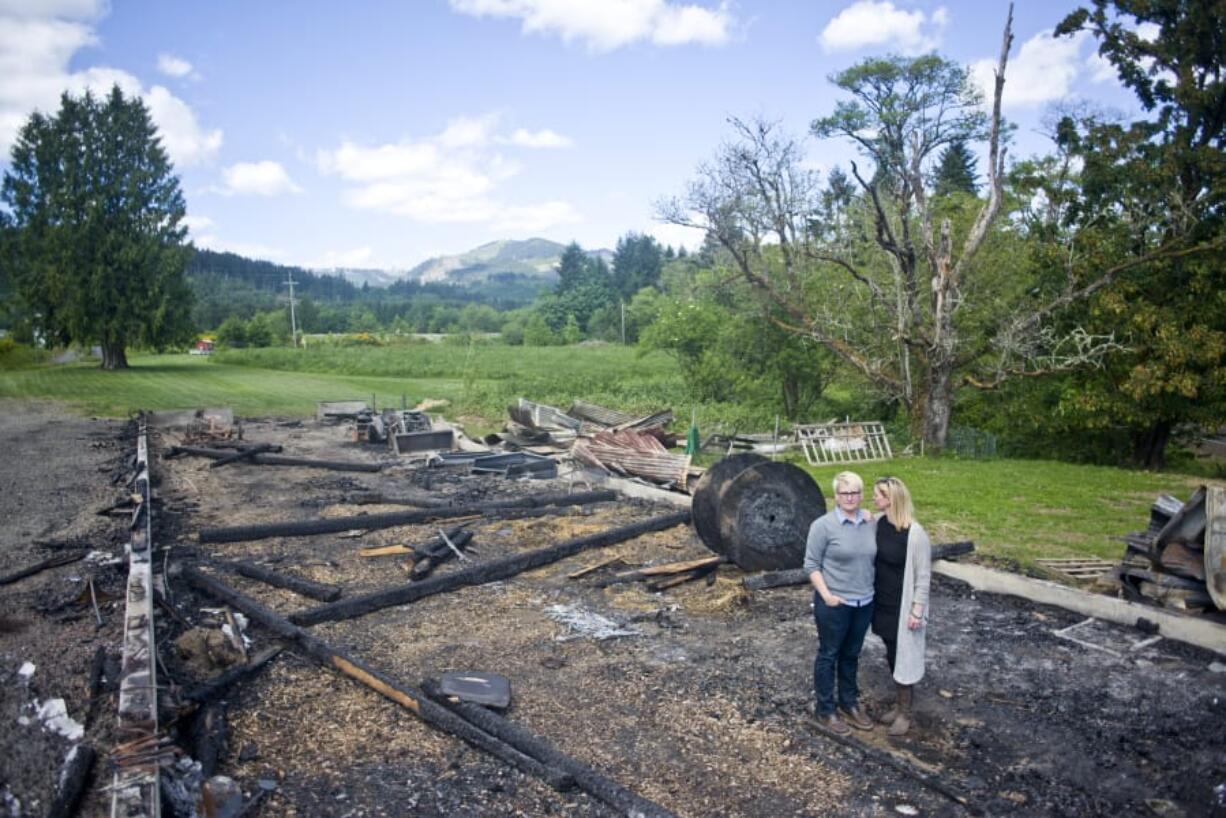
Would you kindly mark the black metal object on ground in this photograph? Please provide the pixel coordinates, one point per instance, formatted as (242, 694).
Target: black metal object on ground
(757, 512)
(478, 687)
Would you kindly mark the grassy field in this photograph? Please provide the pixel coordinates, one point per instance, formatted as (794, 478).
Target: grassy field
(1016, 511)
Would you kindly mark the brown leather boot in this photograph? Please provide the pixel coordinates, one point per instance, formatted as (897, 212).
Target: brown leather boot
(888, 716)
(902, 722)
(856, 718)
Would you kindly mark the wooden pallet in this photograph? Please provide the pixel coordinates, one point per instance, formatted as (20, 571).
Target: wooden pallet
(1081, 570)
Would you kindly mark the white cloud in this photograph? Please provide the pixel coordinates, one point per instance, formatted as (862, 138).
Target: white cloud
(184, 139)
(37, 42)
(534, 218)
(265, 178)
(676, 235)
(357, 257)
(544, 138)
(197, 224)
(173, 66)
(451, 177)
(880, 23)
(212, 242)
(606, 25)
(1042, 70)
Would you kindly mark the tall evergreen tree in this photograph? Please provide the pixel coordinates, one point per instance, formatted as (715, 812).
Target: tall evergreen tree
(99, 238)
(637, 263)
(955, 171)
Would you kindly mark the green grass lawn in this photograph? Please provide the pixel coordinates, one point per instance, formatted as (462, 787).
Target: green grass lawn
(1014, 510)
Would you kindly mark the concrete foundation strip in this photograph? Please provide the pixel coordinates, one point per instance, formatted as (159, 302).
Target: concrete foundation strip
(1189, 629)
(135, 791)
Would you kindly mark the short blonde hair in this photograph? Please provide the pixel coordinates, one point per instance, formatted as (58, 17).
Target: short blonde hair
(900, 512)
(848, 480)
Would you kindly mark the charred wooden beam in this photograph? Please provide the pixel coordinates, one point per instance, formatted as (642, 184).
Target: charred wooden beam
(667, 569)
(374, 498)
(491, 571)
(412, 700)
(217, 686)
(799, 576)
(242, 454)
(426, 562)
(332, 525)
(208, 735)
(707, 571)
(70, 785)
(281, 460)
(593, 783)
(305, 587)
(31, 570)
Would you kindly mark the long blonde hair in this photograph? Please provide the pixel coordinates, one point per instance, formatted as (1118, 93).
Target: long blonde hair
(900, 512)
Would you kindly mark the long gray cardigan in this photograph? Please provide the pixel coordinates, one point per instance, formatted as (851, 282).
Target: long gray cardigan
(916, 577)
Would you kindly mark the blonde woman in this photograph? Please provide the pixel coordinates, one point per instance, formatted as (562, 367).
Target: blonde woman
(903, 571)
(839, 560)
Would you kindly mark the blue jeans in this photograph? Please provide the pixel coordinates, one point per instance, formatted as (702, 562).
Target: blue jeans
(840, 635)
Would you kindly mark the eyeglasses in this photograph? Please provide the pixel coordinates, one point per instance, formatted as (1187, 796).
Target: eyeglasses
(849, 493)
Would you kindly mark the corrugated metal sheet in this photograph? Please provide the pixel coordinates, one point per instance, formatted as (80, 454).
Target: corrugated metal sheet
(657, 465)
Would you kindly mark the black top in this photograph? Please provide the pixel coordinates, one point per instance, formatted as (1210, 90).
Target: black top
(891, 560)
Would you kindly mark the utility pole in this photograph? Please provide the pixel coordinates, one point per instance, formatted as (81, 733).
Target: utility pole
(293, 321)
(623, 305)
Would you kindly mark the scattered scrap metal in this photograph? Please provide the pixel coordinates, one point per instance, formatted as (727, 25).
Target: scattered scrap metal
(1179, 561)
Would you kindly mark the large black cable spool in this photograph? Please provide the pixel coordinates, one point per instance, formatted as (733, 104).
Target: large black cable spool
(705, 505)
(763, 513)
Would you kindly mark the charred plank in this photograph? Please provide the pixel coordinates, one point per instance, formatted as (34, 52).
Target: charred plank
(412, 700)
(70, 785)
(491, 571)
(217, 686)
(332, 525)
(243, 454)
(305, 587)
(31, 570)
(593, 783)
(282, 460)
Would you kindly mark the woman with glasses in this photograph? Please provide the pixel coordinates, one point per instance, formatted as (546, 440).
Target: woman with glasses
(839, 557)
(902, 574)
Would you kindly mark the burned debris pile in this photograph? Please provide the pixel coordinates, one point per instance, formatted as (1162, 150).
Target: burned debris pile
(1179, 561)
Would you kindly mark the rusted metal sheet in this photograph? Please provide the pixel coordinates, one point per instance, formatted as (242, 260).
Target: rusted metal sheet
(599, 415)
(135, 790)
(1215, 545)
(655, 464)
(540, 416)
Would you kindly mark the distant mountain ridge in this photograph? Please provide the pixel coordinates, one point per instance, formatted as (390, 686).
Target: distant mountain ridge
(528, 258)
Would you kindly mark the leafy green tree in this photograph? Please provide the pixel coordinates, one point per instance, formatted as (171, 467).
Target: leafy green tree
(955, 171)
(306, 314)
(637, 263)
(538, 332)
(232, 332)
(363, 321)
(571, 334)
(1146, 215)
(98, 211)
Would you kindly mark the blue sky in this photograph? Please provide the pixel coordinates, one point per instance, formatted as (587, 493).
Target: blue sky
(379, 134)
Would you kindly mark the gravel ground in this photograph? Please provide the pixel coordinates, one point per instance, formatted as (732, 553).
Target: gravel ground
(702, 710)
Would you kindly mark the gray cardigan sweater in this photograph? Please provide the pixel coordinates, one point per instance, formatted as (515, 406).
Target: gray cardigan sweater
(916, 578)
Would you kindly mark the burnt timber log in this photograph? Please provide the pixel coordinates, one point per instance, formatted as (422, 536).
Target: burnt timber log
(425, 562)
(368, 522)
(593, 783)
(757, 512)
(70, 784)
(655, 571)
(242, 454)
(374, 498)
(213, 688)
(208, 736)
(280, 460)
(304, 587)
(491, 571)
(799, 576)
(31, 570)
(412, 700)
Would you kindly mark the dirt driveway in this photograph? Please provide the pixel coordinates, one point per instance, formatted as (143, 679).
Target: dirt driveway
(702, 708)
